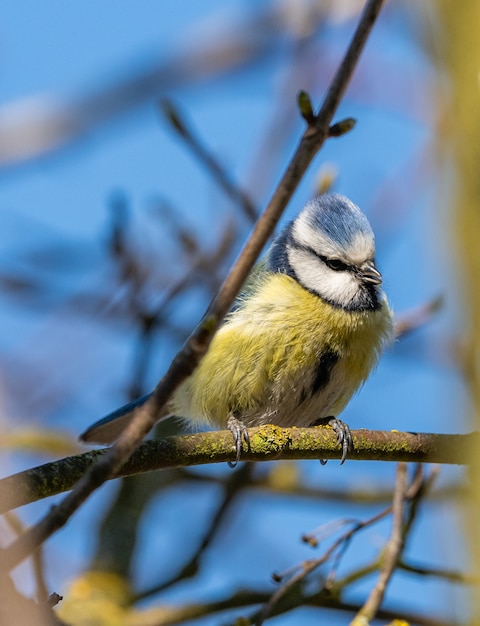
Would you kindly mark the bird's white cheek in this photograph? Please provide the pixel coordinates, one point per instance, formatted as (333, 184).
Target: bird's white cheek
(338, 287)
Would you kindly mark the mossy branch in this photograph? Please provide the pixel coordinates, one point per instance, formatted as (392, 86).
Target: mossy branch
(267, 443)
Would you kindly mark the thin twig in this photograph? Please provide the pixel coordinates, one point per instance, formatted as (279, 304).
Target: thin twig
(218, 172)
(337, 549)
(436, 572)
(236, 482)
(41, 590)
(356, 525)
(300, 70)
(417, 492)
(416, 318)
(196, 346)
(391, 553)
(303, 570)
(203, 266)
(355, 495)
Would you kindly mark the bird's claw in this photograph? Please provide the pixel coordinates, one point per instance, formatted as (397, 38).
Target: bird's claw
(344, 436)
(240, 434)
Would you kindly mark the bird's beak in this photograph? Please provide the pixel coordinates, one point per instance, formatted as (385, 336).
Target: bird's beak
(370, 274)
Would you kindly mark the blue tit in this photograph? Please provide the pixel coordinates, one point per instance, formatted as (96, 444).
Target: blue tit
(300, 339)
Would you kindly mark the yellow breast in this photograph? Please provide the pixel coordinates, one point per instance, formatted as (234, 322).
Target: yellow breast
(262, 362)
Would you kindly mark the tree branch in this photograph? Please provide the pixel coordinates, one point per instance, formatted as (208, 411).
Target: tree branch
(391, 553)
(454, 576)
(206, 157)
(171, 614)
(267, 443)
(233, 486)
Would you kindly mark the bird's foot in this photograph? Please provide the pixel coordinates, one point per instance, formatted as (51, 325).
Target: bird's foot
(240, 434)
(344, 436)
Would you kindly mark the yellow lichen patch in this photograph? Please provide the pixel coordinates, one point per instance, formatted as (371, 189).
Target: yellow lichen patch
(98, 598)
(271, 439)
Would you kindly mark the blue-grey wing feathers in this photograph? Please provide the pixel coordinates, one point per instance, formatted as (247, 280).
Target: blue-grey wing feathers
(110, 427)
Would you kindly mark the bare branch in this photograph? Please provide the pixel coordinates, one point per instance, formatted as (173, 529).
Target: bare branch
(236, 482)
(416, 318)
(41, 592)
(218, 172)
(336, 550)
(436, 572)
(285, 480)
(391, 552)
(169, 614)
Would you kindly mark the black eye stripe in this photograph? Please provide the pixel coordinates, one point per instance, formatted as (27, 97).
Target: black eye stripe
(335, 264)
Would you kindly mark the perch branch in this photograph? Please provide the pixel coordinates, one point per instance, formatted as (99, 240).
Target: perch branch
(267, 443)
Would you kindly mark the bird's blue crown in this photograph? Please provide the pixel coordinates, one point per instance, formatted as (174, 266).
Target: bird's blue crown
(333, 215)
(337, 217)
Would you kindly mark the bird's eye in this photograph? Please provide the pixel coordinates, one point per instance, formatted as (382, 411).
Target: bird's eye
(336, 264)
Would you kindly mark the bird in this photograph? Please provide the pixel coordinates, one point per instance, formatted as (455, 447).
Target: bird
(301, 338)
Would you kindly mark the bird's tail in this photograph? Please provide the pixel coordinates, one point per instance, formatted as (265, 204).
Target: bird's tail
(110, 427)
